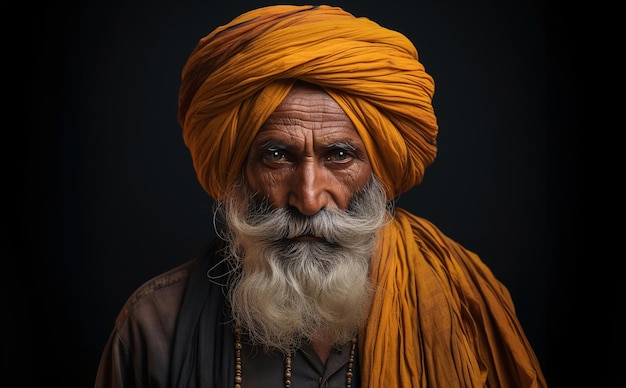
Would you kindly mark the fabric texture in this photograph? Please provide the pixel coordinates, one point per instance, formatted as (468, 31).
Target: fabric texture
(440, 318)
(173, 331)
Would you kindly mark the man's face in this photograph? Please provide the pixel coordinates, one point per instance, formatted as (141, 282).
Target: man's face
(308, 155)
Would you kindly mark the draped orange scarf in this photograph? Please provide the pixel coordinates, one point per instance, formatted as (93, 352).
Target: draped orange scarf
(439, 317)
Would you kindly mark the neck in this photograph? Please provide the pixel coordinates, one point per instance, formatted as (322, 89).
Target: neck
(323, 344)
(322, 348)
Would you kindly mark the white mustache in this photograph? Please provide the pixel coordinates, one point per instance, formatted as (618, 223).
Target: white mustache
(331, 225)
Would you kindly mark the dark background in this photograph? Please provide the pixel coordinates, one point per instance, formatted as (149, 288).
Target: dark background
(106, 196)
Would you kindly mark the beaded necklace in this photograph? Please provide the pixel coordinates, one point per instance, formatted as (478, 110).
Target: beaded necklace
(238, 366)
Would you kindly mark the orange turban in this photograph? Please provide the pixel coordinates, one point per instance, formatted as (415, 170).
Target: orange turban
(240, 72)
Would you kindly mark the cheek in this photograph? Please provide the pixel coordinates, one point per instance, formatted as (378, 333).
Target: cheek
(268, 184)
(363, 175)
(349, 183)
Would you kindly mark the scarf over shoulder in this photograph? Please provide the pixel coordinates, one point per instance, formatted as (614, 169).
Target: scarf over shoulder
(439, 318)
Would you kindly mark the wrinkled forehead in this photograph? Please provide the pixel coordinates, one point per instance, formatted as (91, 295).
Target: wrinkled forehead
(309, 107)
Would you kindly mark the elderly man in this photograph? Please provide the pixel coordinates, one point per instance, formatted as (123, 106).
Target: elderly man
(304, 123)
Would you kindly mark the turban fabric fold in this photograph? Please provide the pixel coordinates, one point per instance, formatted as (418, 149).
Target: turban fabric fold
(240, 72)
(439, 317)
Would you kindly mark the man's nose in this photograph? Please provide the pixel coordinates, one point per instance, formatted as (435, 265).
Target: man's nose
(309, 192)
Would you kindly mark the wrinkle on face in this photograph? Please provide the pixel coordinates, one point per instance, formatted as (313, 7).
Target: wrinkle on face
(308, 154)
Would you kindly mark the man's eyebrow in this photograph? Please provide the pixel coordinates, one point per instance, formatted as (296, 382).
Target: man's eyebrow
(344, 144)
(273, 145)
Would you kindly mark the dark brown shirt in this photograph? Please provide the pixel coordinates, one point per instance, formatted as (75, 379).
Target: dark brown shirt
(139, 352)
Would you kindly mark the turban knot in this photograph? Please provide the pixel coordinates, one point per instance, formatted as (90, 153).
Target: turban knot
(238, 74)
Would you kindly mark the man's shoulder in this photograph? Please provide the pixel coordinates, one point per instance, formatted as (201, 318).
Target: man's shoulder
(160, 297)
(166, 282)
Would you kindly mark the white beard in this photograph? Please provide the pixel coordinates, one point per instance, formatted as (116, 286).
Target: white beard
(289, 290)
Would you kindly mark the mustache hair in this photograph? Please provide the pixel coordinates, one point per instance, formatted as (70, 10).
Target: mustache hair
(256, 219)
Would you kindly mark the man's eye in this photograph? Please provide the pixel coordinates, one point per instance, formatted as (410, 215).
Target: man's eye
(338, 156)
(274, 156)
(342, 154)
